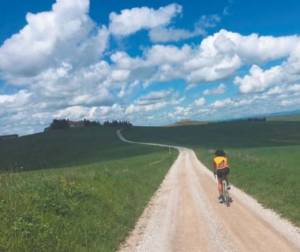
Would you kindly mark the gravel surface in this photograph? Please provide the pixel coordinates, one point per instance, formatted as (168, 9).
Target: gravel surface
(184, 215)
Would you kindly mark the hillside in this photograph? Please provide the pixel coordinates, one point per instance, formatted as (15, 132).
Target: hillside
(264, 156)
(89, 204)
(285, 118)
(223, 135)
(61, 148)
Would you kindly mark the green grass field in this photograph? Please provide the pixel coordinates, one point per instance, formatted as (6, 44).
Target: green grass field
(83, 189)
(78, 190)
(285, 118)
(264, 156)
(63, 148)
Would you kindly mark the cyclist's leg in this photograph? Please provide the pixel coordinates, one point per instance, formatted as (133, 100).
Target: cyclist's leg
(220, 186)
(226, 178)
(227, 181)
(219, 178)
(220, 189)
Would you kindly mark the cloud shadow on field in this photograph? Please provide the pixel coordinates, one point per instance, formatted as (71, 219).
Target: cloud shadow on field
(65, 148)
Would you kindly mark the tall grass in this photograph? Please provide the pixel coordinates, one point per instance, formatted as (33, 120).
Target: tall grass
(84, 208)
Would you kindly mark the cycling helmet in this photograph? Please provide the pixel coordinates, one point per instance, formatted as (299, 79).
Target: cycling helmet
(220, 153)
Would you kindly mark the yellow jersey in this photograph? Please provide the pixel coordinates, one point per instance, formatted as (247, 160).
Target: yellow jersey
(220, 162)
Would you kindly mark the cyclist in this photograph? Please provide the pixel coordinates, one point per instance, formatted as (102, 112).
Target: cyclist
(221, 169)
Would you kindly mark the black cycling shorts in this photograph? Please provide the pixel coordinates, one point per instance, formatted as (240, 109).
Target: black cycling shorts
(222, 173)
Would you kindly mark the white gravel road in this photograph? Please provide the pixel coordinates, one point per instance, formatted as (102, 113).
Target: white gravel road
(184, 215)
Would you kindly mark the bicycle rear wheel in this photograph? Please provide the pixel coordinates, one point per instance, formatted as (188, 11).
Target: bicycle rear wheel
(226, 193)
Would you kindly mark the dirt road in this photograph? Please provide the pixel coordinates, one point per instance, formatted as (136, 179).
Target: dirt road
(184, 215)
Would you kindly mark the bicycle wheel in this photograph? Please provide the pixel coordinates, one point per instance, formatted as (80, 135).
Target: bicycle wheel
(226, 193)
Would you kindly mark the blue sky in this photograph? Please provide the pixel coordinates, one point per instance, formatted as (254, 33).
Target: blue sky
(148, 62)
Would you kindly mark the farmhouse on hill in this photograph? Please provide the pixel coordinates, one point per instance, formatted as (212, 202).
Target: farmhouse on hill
(76, 124)
(58, 124)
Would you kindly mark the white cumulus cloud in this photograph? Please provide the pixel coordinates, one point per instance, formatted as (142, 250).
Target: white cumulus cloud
(66, 33)
(132, 20)
(258, 80)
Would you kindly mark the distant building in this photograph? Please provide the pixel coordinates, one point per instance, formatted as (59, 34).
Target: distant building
(8, 137)
(76, 124)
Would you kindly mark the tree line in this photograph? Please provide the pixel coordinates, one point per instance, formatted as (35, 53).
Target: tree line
(66, 124)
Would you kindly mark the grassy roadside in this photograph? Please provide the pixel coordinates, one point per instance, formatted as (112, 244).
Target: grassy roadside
(264, 157)
(90, 206)
(269, 174)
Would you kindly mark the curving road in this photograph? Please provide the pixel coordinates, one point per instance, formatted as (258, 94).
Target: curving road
(184, 215)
